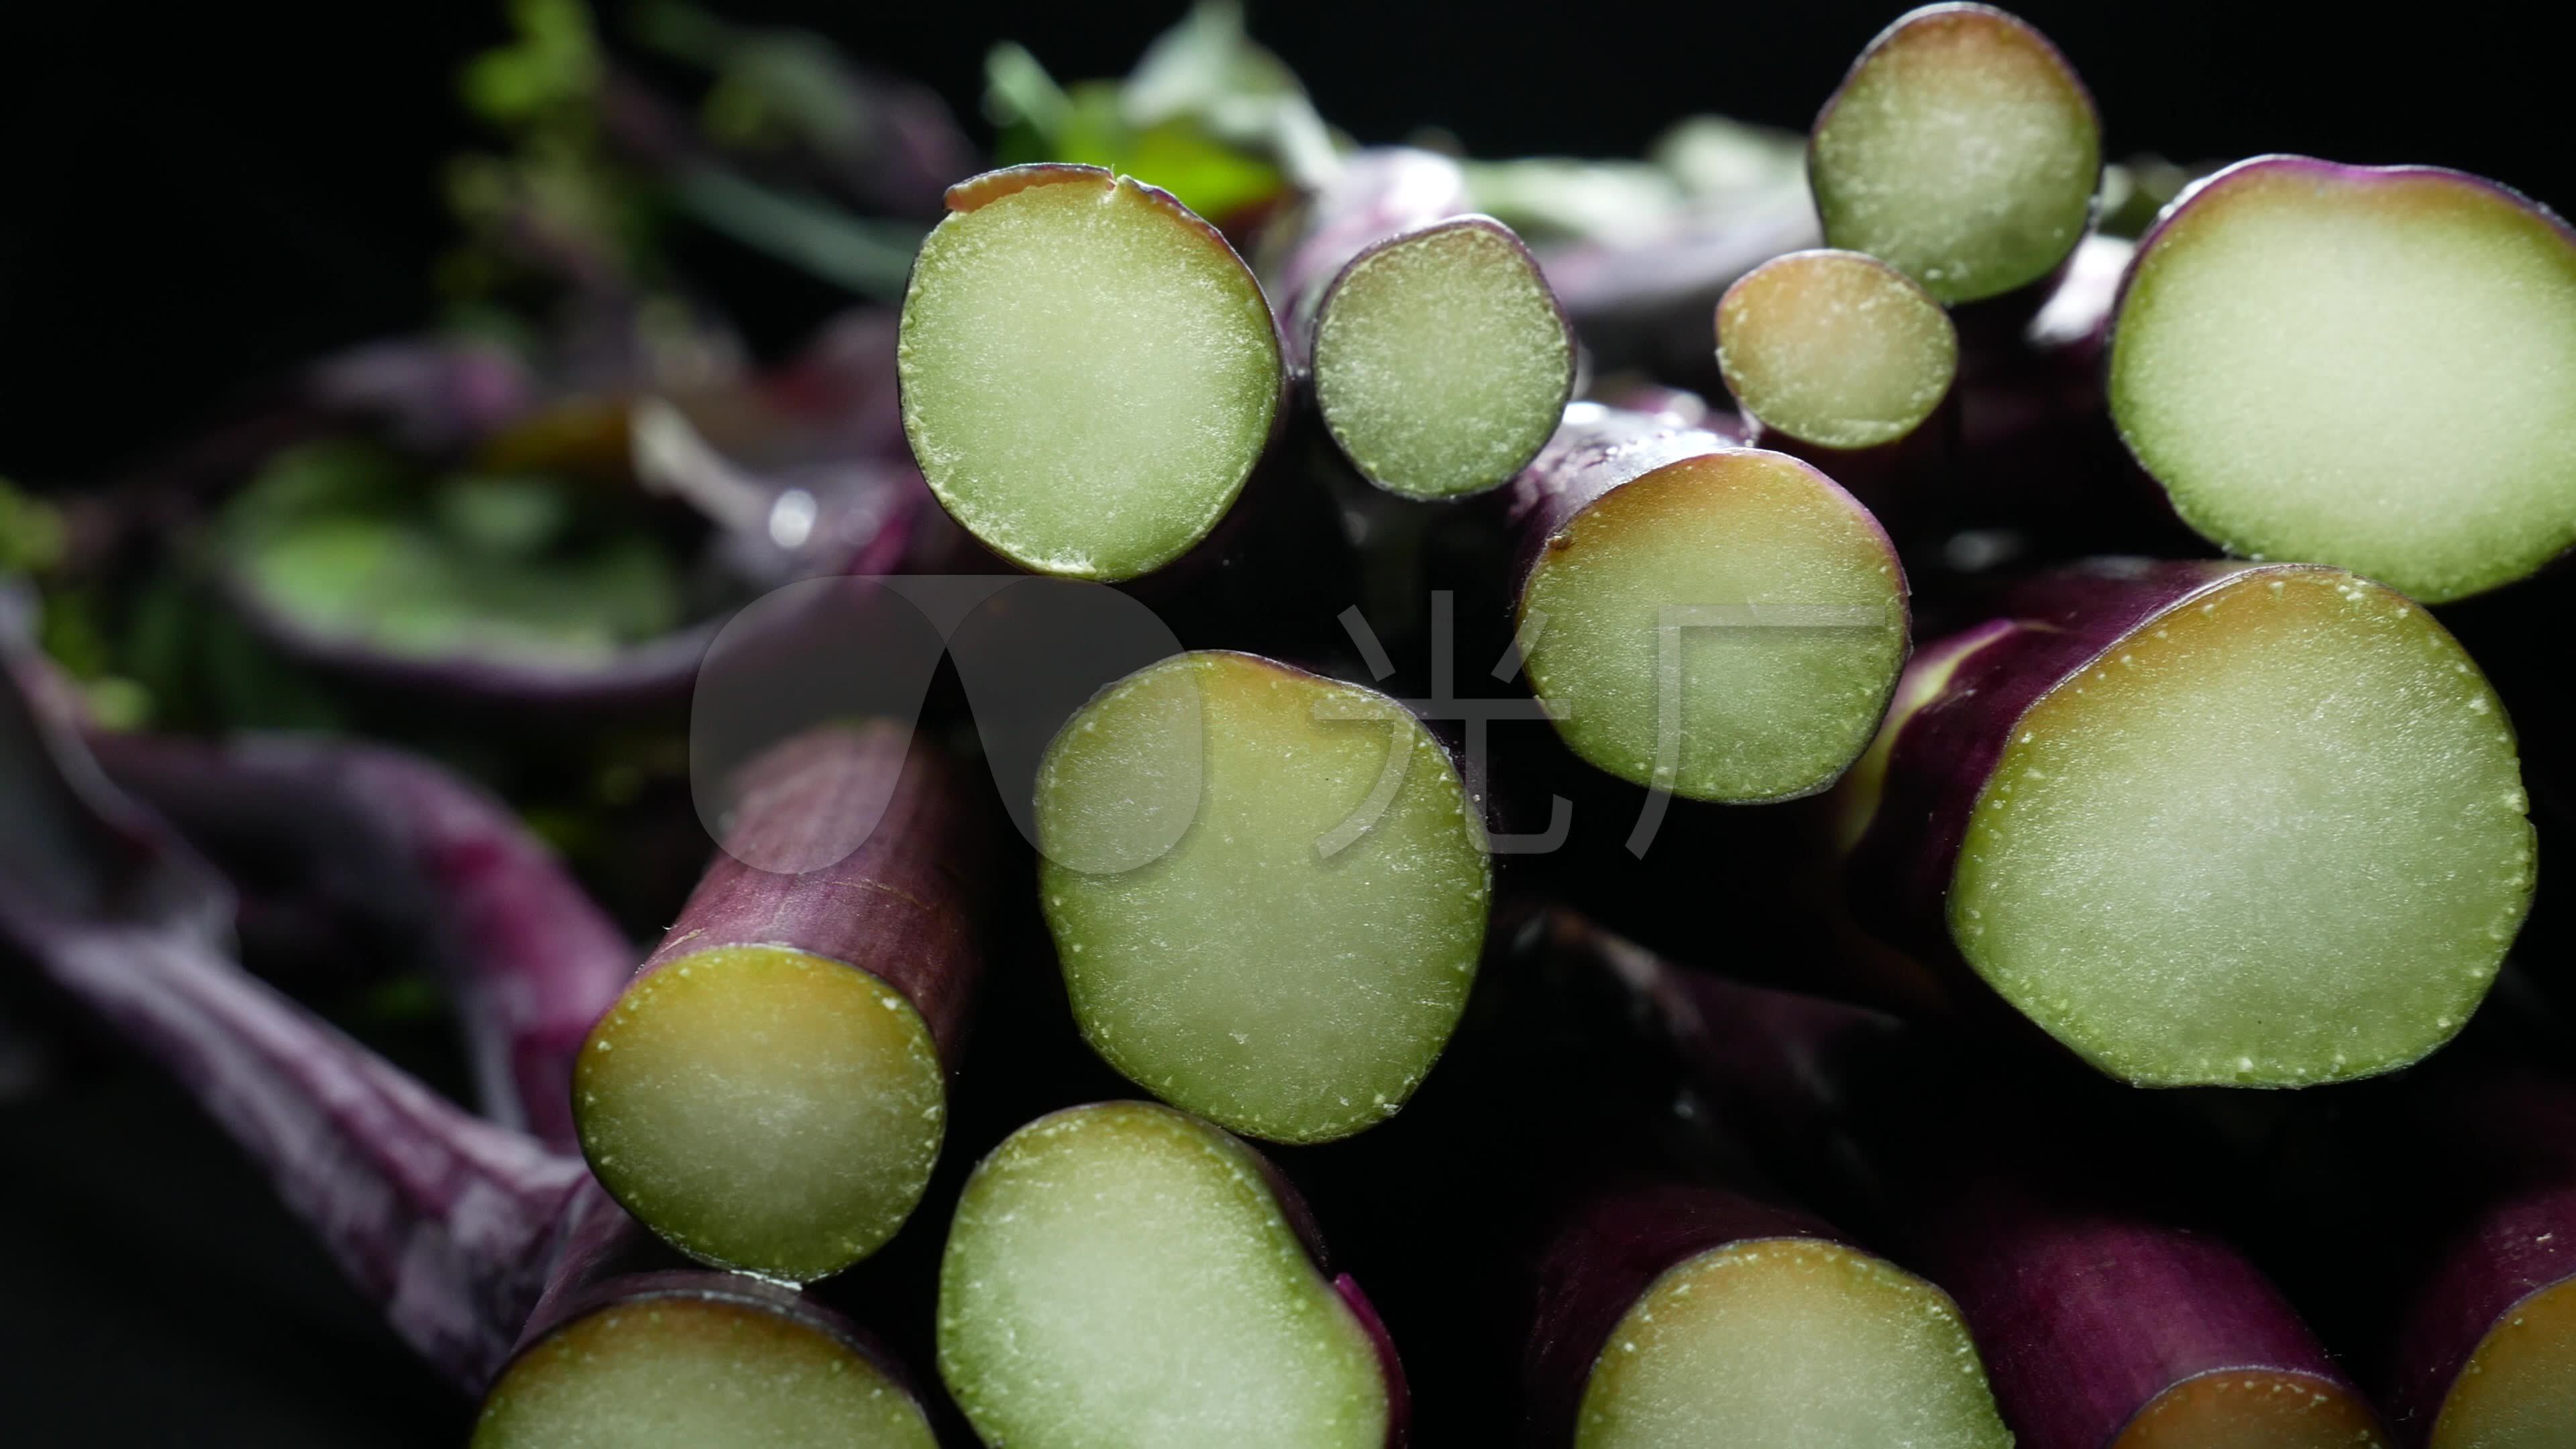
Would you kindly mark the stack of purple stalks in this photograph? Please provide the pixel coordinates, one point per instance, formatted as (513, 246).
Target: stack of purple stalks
(1925, 939)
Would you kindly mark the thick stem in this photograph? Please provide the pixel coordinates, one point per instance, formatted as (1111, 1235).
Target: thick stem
(447, 1220)
(1437, 356)
(2015, 766)
(419, 855)
(2098, 1323)
(1721, 622)
(770, 1092)
(2483, 1349)
(1124, 1273)
(1605, 1258)
(1089, 372)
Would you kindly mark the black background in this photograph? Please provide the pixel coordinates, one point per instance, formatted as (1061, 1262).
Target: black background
(195, 196)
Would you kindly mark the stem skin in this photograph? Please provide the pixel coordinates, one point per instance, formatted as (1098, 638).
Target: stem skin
(2084, 1311)
(902, 905)
(447, 1220)
(1910, 799)
(1612, 1250)
(1596, 450)
(2505, 1146)
(531, 960)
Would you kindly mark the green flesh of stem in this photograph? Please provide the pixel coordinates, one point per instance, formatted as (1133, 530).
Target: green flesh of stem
(1294, 963)
(1121, 1277)
(763, 1109)
(1962, 152)
(679, 1372)
(1789, 1343)
(2282, 334)
(2273, 837)
(1835, 348)
(1774, 593)
(1441, 361)
(1089, 375)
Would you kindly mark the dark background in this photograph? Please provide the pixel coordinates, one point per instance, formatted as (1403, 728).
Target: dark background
(193, 197)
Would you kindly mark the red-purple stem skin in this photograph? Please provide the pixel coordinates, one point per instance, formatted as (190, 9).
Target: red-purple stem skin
(2083, 1314)
(2084, 1318)
(903, 905)
(531, 960)
(476, 1238)
(1647, 303)
(1946, 745)
(2508, 1145)
(447, 1220)
(1595, 450)
(1608, 1254)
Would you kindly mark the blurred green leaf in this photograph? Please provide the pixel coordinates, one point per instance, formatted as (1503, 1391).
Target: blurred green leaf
(32, 535)
(1208, 115)
(553, 62)
(343, 541)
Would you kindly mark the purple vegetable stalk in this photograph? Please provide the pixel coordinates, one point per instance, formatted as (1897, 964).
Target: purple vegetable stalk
(770, 1093)
(1609, 1253)
(448, 1220)
(2095, 1321)
(2099, 697)
(2480, 1346)
(532, 962)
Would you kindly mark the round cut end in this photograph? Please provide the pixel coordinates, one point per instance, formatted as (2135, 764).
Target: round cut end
(2292, 318)
(2273, 837)
(1122, 1277)
(1292, 967)
(763, 1109)
(1962, 150)
(2518, 1389)
(1794, 1343)
(2254, 1409)
(678, 1372)
(1835, 348)
(1089, 372)
(1728, 627)
(1441, 361)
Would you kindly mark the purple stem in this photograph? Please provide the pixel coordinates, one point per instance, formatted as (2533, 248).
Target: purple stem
(862, 846)
(1612, 1250)
(2507, 1147)
(447, 1220)
(2084, 1313)
(1954, 713)
(531, 961)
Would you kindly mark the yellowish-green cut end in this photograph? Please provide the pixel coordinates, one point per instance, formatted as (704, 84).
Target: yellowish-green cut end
(1293, 966)
(763, 1109)
(1728, 627)
(2273, 837)
(1789, 1343)
(2518, 1389)
(1441, 360)
(2294, 337)
(1122, 1277)
(1835, 348)
(2254, 1409)
(1089, 373)
(1962, 150)
(682, 1372)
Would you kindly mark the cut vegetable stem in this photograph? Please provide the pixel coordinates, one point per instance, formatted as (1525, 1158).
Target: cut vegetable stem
(770, 1093)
